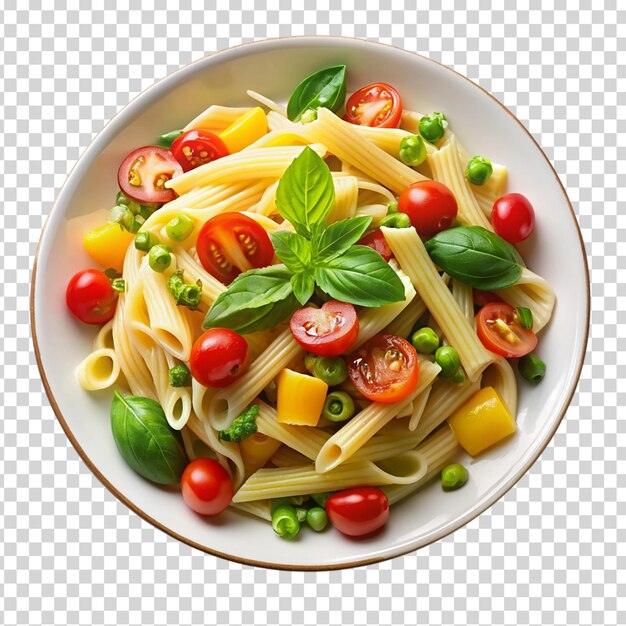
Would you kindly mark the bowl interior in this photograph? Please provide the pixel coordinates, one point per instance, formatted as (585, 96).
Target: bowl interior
(274, 68)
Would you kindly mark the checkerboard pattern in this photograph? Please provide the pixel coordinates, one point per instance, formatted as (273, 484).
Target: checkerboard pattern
(552, 551)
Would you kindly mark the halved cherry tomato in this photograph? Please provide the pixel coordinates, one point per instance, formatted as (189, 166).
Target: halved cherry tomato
(90, 297)
(218, 357)
(144, 172)
(384, 369)
(484, 297)
(197, 147)
(329, 331)
(358, 511)
(206, 487)
(430, 205)
(231, 243)
(513, 217)
(378, 104)
(376, 240)
(500, 332)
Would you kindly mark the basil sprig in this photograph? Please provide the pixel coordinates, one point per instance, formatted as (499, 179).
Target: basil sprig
(315, 254)
(326, 88)
(476, 257)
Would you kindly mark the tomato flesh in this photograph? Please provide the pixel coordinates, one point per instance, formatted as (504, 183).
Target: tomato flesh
(513, 217)
(376, 241)
(500, 332)
(206, 487)
(430, 205)
(384, 369)
(329, 331)
(231, 243)
(197, 147)
(358, 511)
(144, 172)
(90, 297)
(218, 357)
(378, 104)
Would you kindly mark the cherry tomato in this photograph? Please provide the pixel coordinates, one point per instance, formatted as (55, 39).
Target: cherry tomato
(500, 332)
(329, 331)
(377, 104)
(144, 172)
(430, 205)
(206, 487)
(231, 243)
(218, 357)
(376, 240)
(358, 511)
(90, 297)
(197, 147)
(384, 369)
(513, 217)
(484, 297)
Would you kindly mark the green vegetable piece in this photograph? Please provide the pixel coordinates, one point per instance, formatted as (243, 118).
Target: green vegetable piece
(271, 392)
(167, 139)
(332, 370)
(179, 227)
(145, 440)
(182, 292)
(396, 220)
(476, 257)
(285, 521)
(301, 514)
(123, 200)
(317, 518)
(122, 215)
(425, 340)
(532, 368)
(310, 115)
(320, 498)
(310, 360)
(242, 426)
(432, 127)
(116, 280)
(392, 208)
(180, 376)
(524, 317)
(478, 170)
(160, 258)
(459, 376)
(144, 241)
(326, 88)
(448, 360)
(453, 477)
(412, 150)
(338, 407)
(147, 210)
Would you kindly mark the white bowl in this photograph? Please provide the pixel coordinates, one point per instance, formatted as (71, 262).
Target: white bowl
(273, 68)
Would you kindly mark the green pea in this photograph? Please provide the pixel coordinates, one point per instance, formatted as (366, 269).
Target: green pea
(338, 407)
(478, 170)
(425, 340)
(285, 522)
(412, 150)
(532, 368)
(180, 376)
(320, 498)
(310, 360)
(332, 370)
(317, 519)
(392, 208)
(144, 241)
(453, 477)
(179, 227)
(448, 360)
(432, 127)
(159, 257)
(396, 220)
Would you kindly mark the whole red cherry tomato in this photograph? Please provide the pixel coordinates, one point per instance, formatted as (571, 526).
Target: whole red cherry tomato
(500, 331)
(218, 357)
(513, 217)
(206, 487)
(430, 205)
(358, 511)
(377, 104)
(197, 147)
(90, 297)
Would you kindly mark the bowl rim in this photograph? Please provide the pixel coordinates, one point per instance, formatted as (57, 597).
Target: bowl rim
(401, 550)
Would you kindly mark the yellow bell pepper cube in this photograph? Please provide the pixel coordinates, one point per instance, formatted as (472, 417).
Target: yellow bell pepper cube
(300, 398)
(107, 245)
(245, 130)
(257, 450)
(482, 421)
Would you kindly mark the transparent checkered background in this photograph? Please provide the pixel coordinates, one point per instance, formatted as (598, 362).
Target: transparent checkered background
(552, 551)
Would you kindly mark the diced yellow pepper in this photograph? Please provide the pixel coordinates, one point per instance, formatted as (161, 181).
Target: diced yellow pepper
(245, 130)
(300, 398)
(482, 421)
(107, 245)
(257, 450)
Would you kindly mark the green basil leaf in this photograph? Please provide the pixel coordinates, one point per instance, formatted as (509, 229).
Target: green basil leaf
(256, 300)
(325, 88)
(292, 249)
(303, 286)
(360, 276)
(145, 440)
(306, 193)
(338, 237)
(476, 256)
